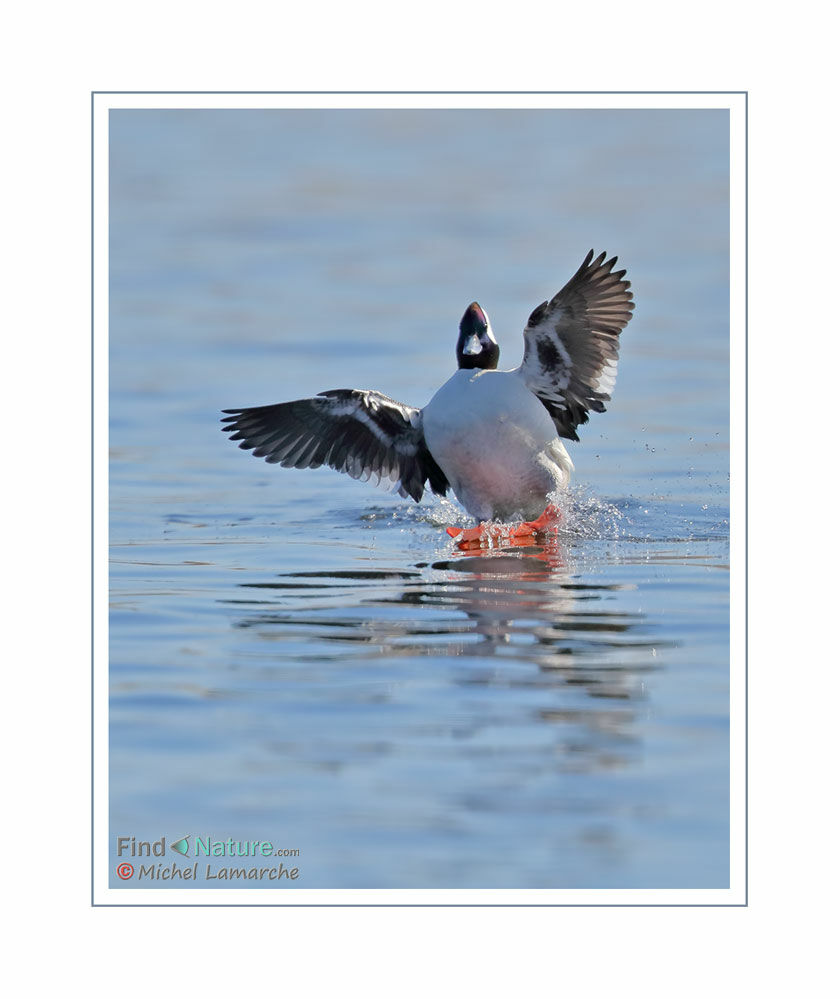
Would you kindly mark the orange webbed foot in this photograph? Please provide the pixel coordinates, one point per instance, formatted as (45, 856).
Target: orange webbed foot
(468, 533)
(488, 532)
(550, 517)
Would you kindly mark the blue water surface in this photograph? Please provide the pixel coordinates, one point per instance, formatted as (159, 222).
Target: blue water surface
(304, 659)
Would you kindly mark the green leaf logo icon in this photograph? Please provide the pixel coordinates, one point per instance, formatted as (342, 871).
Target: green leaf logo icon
(182, 846)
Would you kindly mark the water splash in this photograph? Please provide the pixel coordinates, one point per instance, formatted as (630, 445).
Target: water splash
(588, 516)
(584, 515)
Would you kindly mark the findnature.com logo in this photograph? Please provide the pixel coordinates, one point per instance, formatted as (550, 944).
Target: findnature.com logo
(202, 846)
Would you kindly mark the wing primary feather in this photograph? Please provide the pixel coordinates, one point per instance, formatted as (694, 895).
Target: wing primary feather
(571, 343)
(364, 434)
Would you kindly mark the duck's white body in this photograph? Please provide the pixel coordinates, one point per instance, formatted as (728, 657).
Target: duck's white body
(496, 444)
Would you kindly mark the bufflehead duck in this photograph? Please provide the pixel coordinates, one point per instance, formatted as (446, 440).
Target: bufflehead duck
(492, 437)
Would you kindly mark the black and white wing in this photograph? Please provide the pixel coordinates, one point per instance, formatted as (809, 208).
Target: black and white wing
(571, 343)
(364, 434)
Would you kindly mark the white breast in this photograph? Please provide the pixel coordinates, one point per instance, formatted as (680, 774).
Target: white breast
(496, 444)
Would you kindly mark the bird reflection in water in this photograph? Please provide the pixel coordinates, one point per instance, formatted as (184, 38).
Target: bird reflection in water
(524, 604)
(486, 617)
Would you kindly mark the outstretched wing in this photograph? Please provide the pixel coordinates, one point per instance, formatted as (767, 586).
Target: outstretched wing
(364, 434)
(571, 343)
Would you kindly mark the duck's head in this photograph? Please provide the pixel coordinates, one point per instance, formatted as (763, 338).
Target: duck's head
(477, 347)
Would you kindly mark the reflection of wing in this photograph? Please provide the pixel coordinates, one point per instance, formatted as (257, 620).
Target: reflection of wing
(571, 344)
(361, 433)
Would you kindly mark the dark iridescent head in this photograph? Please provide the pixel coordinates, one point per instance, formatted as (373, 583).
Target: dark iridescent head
(477, 347)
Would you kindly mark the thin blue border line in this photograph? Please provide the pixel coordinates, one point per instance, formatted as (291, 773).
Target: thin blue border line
(414, 905)
(92, 504)
(447, 905)
(746, 503)
(351, 93)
